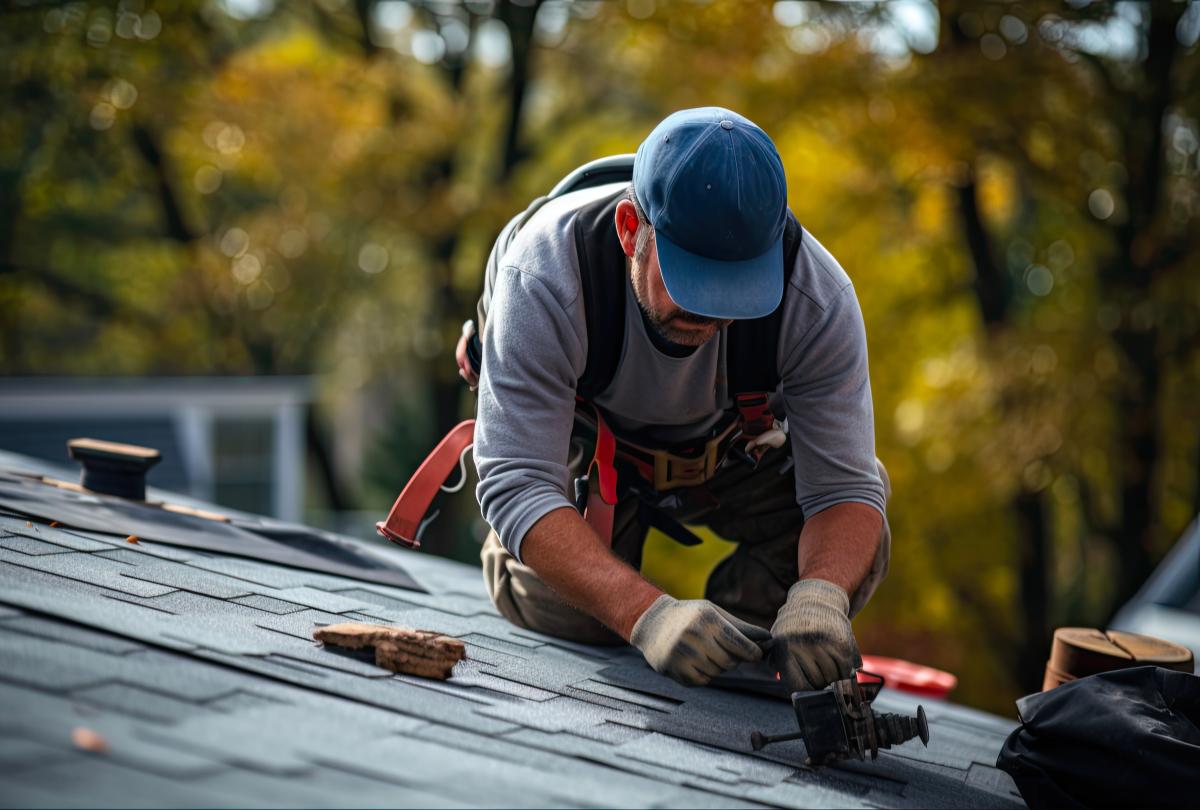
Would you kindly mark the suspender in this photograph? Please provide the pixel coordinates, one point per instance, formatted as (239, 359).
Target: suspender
(750, 360)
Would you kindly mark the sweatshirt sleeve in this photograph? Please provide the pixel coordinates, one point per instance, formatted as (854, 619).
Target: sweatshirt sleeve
(533, 356)
(827, 398)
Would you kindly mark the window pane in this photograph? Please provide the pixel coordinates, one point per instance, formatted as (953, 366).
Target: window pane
(242, 460)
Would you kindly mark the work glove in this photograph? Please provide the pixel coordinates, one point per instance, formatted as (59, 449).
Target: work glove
(694, 641)
(814, 645)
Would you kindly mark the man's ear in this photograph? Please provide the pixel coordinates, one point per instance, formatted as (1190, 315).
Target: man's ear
(626, 221)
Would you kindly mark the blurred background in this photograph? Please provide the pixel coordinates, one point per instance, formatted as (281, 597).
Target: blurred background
(248, 232)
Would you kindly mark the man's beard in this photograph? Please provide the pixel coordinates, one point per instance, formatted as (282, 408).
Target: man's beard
(662, 323)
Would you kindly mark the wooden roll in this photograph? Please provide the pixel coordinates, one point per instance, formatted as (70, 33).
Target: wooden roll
(1081, 651)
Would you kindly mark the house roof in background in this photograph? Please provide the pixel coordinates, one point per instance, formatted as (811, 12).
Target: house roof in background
(25, 395)
(197, 670)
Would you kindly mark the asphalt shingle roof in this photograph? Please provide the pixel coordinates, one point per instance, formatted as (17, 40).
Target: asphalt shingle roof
(199, 671)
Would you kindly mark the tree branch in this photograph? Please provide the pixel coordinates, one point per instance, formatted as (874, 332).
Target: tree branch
(990, 285)
(176, 223)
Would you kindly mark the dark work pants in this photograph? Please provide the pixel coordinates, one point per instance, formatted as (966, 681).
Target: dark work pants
(753, 507)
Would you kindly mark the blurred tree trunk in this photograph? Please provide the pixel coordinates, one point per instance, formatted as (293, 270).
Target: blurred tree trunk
(448, 306)
(1129, 277)
(519, 17)
(993, 295)
(1138, 98)
(1033, 571)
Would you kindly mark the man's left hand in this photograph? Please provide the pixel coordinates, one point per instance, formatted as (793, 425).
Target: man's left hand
(814, 645)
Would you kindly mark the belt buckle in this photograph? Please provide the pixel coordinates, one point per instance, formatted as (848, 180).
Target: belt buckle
(672, 470)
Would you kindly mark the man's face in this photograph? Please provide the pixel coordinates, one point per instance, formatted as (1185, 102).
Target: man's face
(673, 323)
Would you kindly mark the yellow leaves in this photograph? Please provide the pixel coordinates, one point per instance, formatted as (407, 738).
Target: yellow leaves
(910, 420)
(931, 211)
(997, 192)
(937, 606)
(1042, 146)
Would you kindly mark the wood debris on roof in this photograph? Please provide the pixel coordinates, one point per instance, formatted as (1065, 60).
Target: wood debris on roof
(400, 649)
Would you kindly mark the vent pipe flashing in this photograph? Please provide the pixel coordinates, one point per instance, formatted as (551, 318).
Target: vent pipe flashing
(111, 468)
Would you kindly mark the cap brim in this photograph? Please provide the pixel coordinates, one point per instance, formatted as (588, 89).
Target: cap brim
(749, 288)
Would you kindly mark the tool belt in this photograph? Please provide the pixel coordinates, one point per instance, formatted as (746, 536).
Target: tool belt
(689, 464)
(686, 465)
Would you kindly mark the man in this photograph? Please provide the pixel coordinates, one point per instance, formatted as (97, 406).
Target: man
(701, 237)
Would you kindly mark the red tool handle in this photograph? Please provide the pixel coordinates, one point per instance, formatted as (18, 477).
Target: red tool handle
(906, 676)
(410, 508)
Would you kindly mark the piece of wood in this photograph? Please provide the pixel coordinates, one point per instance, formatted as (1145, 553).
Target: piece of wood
(400, 649)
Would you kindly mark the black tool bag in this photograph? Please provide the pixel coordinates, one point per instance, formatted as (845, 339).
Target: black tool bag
(1128, 738)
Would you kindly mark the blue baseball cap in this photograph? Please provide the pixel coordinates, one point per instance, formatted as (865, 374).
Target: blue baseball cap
(711, 183)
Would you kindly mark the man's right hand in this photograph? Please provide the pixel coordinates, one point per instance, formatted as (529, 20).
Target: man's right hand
(460, 356)
(693, 641)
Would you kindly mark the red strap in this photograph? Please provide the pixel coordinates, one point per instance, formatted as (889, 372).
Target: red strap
(409, 509)
(602, 478)
(755, 412)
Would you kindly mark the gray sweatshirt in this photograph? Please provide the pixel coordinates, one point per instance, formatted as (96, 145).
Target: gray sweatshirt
(535, 349)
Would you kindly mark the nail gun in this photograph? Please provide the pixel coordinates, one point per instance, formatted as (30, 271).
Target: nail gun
(838, 723)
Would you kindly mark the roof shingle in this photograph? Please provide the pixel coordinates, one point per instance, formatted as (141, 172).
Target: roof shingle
(200, 673)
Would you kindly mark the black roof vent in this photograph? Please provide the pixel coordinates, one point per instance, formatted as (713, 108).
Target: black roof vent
(111, 468)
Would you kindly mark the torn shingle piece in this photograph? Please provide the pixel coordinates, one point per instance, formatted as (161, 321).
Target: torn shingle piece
(400, 649)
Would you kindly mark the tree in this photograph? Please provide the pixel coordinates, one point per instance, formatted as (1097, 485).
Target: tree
(237, 188)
